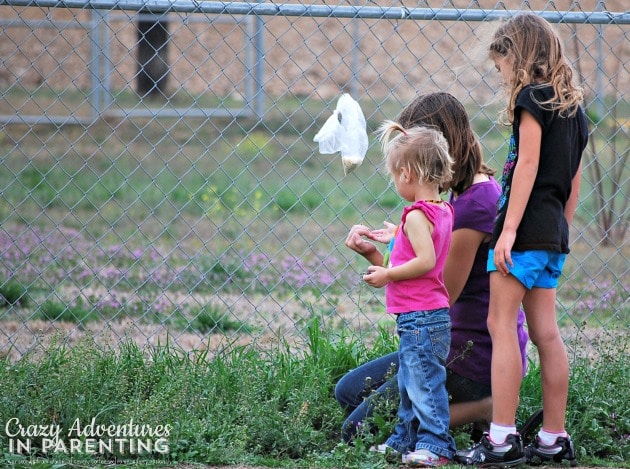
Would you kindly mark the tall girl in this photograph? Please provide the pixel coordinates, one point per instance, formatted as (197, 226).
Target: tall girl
(540, 185)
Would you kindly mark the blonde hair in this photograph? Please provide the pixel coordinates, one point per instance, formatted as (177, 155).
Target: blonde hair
(538, 59)
(423, 151)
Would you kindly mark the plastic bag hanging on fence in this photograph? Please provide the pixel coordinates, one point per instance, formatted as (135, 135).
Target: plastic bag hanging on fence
(345, 132)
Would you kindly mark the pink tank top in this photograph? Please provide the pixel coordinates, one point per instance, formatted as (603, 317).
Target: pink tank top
(428, 291)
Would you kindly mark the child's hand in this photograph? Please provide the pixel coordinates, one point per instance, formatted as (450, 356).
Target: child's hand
(376, 276)
(503, 252)
(384, 235)
(355, 240)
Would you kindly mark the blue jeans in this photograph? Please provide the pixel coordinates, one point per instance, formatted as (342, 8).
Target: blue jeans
(423, 415)
(361, 390)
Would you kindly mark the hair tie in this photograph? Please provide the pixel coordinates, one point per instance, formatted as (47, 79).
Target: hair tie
(404, 132)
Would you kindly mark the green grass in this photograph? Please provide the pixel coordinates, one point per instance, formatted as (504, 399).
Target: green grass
(211, 319)
(57, 311)
(272, 407)
(13, 292)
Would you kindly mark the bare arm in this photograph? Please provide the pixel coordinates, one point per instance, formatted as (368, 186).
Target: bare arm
(418, 229)
(355, 241)
(522, 184)
(464, 245)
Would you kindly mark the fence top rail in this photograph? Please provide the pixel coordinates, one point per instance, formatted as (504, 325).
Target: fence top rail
(338, 11)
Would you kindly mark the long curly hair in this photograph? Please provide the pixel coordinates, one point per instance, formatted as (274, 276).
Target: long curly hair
(537, 56)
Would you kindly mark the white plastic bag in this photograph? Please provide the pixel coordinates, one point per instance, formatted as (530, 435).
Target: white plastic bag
(345, 132)
(330, 135)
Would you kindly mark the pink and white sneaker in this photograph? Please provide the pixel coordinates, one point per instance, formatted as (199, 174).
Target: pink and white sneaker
(424, 458)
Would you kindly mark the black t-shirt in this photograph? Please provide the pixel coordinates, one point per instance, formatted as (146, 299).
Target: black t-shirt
(543, 226)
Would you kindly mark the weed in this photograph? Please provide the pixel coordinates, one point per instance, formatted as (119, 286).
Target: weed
(273, 406)
(598, 402)
(287, 200)
(13, 292)
(56, 311)
(210, 319)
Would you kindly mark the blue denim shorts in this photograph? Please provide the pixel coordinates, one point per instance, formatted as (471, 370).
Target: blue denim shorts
(540, 269)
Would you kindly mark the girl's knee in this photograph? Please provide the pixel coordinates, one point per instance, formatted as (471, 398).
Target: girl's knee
(545, 337)
(500, 326)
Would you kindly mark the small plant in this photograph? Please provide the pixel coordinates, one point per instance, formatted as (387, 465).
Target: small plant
(254, 145)
(55, 311)
(287, 201)
(598, 404)
(12, 292)
(210, 319)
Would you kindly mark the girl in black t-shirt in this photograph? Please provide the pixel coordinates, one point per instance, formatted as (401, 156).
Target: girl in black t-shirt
(540, 185)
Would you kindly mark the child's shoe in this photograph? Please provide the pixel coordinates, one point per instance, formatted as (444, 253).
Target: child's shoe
(562, 450)
(391, 455)
(487, 454)
(424, 458)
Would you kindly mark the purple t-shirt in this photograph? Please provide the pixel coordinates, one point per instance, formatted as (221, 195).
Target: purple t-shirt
(475, 209)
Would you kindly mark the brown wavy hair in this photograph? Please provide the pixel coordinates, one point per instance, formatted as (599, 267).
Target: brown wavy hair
(538, 59)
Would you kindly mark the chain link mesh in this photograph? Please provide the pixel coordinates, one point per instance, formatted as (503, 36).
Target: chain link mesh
(159, 180)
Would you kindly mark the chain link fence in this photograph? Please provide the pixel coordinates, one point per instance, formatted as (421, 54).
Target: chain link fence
(159, 180)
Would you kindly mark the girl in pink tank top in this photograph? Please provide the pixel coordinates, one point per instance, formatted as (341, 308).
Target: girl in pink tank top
(420, 165)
